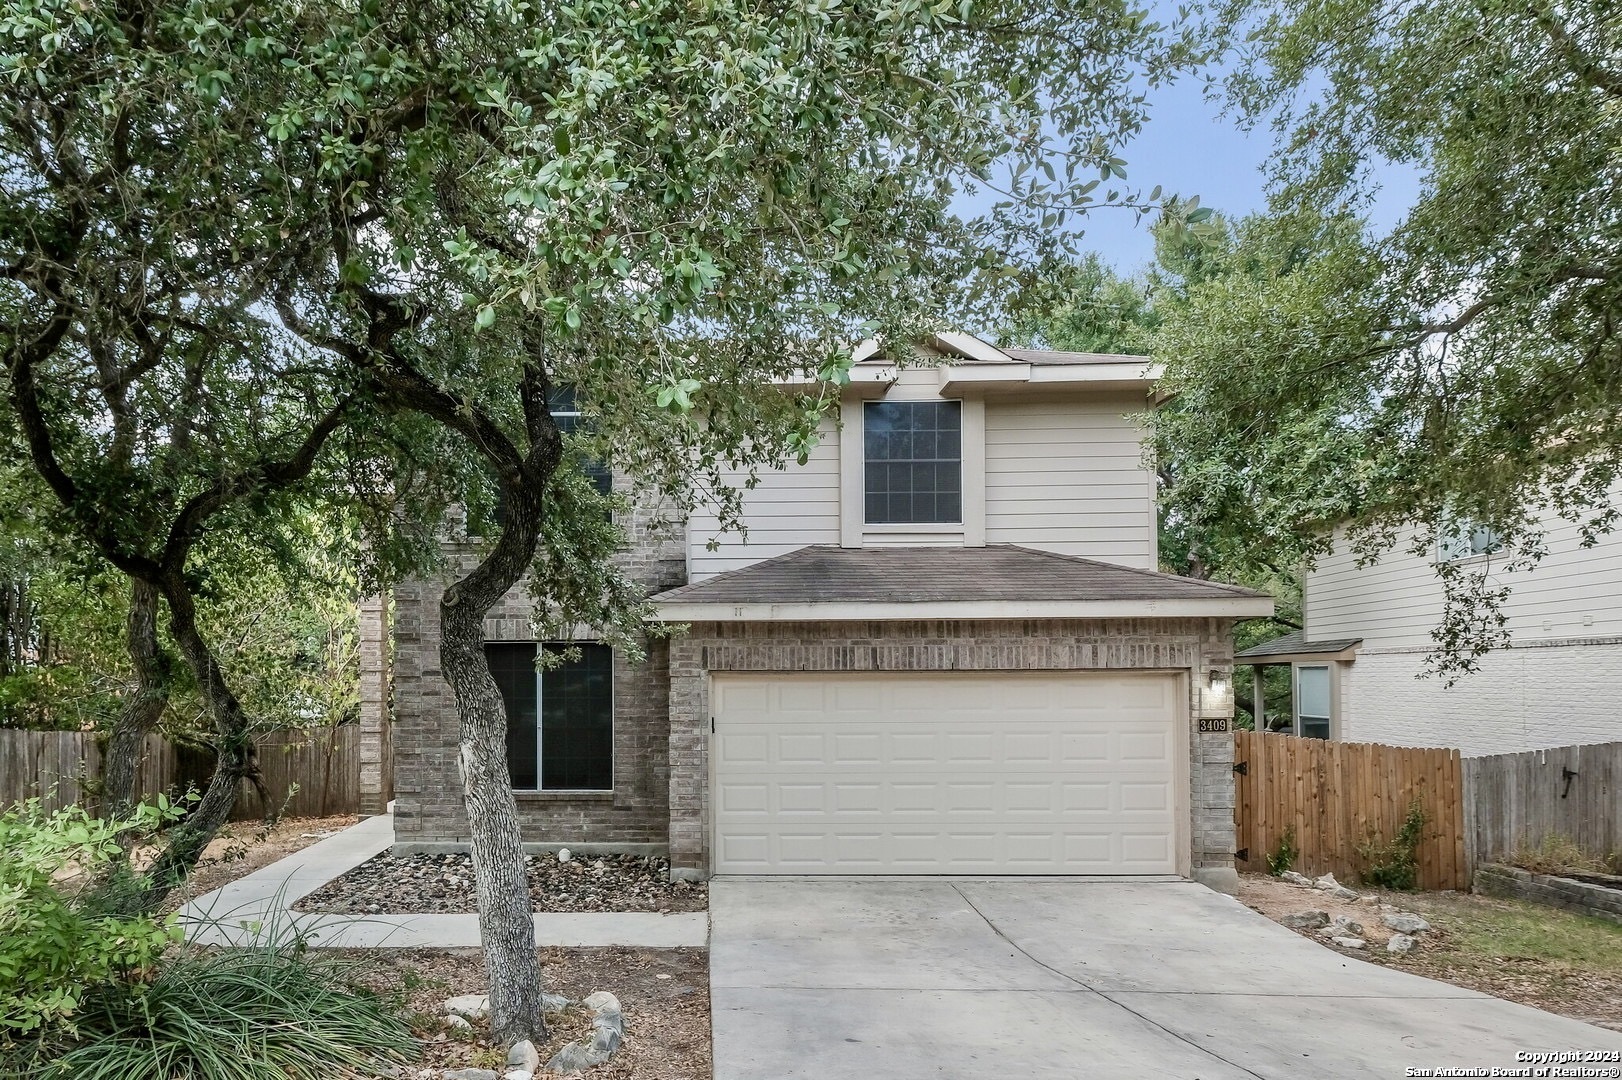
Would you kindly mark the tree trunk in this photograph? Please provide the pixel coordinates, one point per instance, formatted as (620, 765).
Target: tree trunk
(143, 707)
(506, 912)
(234, 761)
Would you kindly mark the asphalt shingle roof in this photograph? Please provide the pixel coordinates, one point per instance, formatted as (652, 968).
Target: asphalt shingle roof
(1293, 643)
(900, 575)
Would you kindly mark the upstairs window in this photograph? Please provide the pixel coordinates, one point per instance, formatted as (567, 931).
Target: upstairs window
(913, 462)
(565, 411)
(560, 721)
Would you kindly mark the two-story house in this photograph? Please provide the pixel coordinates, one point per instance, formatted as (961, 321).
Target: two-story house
(1357, 665)
(943, 647)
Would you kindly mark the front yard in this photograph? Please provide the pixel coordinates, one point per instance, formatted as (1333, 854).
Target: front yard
(665, 995)
(1550, 959)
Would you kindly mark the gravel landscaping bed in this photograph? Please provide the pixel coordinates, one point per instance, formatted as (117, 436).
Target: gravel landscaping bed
(665, 994)
(443, 885)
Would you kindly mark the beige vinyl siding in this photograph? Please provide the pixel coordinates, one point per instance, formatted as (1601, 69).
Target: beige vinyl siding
(1572, 593)
(1067, 475)
(790, 508)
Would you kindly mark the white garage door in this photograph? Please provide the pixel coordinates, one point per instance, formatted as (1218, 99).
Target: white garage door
(947, 774)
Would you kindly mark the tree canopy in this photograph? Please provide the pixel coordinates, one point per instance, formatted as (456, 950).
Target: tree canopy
(1380, 388)
(254, 253)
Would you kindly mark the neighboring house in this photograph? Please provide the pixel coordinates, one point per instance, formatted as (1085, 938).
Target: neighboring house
(1357, 661)
(943, 649)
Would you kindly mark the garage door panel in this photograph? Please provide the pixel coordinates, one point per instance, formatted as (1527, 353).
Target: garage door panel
(946, 773)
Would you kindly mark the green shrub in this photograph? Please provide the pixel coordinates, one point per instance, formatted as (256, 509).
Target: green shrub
(55, 945)
(267, 1012)
(1395, 865)
(1283, 857)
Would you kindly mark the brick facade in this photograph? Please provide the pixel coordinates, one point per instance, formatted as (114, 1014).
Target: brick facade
(428, 812)
(1527, 697)
(660, 799)
(1191, 646)
(376, 741)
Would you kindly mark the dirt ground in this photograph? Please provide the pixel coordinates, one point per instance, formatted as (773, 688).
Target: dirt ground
(245, 846)
(1549, 959)
(664, 994)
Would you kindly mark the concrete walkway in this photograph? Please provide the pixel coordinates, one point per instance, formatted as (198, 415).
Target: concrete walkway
(901, 979)
(256, 906)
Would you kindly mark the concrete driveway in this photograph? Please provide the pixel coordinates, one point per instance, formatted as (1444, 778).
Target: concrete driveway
(886, 978)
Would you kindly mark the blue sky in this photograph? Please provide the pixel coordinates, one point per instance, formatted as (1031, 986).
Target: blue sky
(1189, 148)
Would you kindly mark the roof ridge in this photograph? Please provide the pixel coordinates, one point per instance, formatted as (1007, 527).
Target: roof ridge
(1157, 574)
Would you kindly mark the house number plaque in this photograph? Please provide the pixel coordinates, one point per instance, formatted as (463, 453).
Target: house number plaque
(1218, 724)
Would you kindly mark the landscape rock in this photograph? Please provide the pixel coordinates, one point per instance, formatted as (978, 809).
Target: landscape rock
(472, 1006)
(1290, 877)
(443, 884)
(575, 1057)
(457, 1023)
(1406, 923)
(523, 1057)
(1348, 924)
(518, 1074)
(554, 1002)
(1401, 943)
(1349, 942)
(1306, 920)
(607, 1030)
(470, 1074)
(564, 855)
(1334, 888)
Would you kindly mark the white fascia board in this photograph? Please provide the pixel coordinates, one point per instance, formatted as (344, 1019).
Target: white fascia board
(963, 377)
(1059, 374)
(970, 346)
(1238, 607)
(871, 381)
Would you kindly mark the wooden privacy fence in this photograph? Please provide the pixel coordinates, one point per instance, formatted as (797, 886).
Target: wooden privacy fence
(323, 762)
(1516, 801)
(1339, 796)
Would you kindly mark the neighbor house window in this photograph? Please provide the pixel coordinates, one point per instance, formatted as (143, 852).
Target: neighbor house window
(913, 462)
(1465, 540)
(1312, 701)
(560, 721)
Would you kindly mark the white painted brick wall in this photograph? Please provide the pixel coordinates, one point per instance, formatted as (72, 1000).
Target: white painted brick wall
(1522, 699)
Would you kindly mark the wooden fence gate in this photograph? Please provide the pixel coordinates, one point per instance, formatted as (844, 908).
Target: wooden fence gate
(1340, 796)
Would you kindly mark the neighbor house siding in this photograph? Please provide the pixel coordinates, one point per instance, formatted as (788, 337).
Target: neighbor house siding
(1572, 593)
(1521, 698)
(791, 507)
(1068, 476)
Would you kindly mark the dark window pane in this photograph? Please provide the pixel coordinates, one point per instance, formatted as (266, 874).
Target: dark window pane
(577, 722)
(914, 468)
(513, 665)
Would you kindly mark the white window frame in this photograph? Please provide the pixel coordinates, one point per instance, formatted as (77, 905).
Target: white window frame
(962, 472)
(1295, 699)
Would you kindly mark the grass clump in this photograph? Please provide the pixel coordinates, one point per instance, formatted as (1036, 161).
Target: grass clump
(1395, 865)
(265, 1012)
(88, 993)
(1556, 854)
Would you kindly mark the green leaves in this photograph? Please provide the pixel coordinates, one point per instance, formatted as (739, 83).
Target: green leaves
(677, 395)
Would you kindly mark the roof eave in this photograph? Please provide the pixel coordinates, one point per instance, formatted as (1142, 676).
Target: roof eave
(1306, 656)
(1237, 607)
